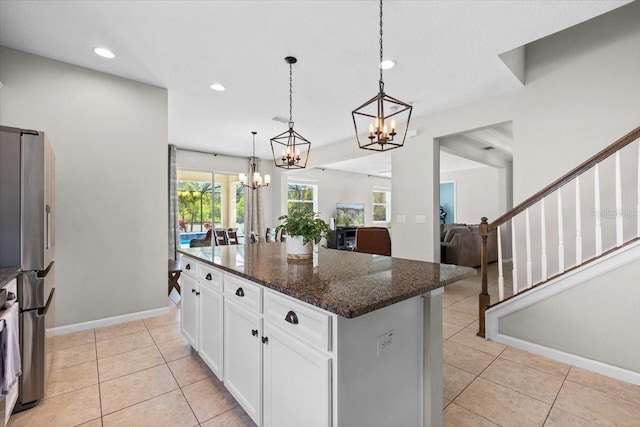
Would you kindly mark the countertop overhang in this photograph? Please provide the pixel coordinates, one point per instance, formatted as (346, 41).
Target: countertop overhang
(349, 284)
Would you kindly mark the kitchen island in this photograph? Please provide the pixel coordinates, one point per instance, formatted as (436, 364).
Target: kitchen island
(347, 339)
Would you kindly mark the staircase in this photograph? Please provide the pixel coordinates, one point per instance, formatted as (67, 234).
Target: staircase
(586, 224)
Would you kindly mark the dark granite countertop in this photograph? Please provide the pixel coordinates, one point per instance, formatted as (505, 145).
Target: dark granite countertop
(347, 283)
(8, 273)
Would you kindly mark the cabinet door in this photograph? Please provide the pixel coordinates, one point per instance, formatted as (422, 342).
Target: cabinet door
(243, 357)
(211, 329)
(189, 310)
(297, 382)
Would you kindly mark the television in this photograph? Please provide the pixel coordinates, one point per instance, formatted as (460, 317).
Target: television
(349, 214)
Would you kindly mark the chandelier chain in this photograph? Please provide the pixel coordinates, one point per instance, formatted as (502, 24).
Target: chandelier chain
(290, 92)
(381, 82)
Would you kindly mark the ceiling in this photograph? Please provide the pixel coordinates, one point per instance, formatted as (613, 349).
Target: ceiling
(446, 53)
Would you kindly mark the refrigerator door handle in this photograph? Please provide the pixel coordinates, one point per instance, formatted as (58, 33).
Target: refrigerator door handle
(48, 225)
(42, 311)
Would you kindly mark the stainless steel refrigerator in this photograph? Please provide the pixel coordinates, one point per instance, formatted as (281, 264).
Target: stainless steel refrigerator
(27, 241)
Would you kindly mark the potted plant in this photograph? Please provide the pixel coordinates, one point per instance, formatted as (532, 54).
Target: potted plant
(304, 229)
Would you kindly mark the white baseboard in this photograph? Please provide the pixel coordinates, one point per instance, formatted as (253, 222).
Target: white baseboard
(108, 321)
(571, 359)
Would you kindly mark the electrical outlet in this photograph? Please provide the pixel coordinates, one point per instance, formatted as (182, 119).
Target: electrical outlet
(385, 341)
(401, 219)
(421, 219)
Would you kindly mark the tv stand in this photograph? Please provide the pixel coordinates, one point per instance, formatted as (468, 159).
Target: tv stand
(343, 238)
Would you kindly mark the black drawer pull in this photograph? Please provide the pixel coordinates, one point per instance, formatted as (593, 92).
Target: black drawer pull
(292, 318)
(208, 276)
(193, 291)
(197, 293)
(240, 292)
(265, 340)
(254, 332)
(188, 267)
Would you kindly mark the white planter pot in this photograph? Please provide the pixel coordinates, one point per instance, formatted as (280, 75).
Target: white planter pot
(296, 250)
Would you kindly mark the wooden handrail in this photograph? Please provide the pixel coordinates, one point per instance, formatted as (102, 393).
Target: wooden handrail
(579, 170)
(485, 228)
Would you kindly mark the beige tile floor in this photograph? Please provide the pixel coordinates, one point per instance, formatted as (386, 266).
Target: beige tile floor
(144, 373)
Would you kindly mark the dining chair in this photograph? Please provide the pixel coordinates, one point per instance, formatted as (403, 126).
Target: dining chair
(373, 240)
(269, 235)
(232, 237)
(221, 237)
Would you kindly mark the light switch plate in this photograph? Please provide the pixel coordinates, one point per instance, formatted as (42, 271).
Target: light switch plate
(421, 219)
(401, 219)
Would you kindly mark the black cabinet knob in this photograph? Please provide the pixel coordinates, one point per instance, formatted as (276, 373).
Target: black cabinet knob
(187, 267)
(254, 332)
(265, 340)
(240, 292)
(208, 276)
(291, 317)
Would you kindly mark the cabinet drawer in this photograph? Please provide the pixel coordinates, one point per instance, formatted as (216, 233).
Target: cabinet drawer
(209, 277)
(243, 292)
(313, 326)
(188, 266)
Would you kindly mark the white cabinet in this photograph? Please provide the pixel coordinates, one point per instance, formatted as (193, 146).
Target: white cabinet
(278, 365)
(189, 311)
(210, 347)
(243, 357)
(297, 382)
(210, 317)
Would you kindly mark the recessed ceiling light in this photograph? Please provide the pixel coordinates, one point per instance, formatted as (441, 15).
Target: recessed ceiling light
(387, 64)
(105, 53)
(217, 87)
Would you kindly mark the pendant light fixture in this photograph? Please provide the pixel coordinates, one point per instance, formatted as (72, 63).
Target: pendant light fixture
(381, 123)
(256, 180)
(290, 149)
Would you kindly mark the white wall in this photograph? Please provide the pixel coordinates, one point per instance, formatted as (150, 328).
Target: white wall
(110, 139)
(477, 193)
(604, 310)
(337, 186)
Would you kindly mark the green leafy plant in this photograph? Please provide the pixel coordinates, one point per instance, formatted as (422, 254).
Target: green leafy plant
(305, 223)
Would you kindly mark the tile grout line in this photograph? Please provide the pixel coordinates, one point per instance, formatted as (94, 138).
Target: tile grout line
(95, 341)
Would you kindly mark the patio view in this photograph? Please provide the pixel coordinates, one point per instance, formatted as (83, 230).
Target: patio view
(207, 200)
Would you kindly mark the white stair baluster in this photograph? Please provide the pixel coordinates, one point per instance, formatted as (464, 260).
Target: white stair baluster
(500, 273)
(578, 224)
(543, 241)
(528, 240)
(619, 237)
(560, 234)
(596, 191)
(514, 260)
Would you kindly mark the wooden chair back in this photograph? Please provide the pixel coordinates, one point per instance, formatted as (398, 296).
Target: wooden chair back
(232, 237)
(220, 237)
(373, 240)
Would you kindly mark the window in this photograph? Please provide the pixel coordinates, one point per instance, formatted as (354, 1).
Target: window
(206, 200)
(194, 204)
(302, 195)
(381, 206)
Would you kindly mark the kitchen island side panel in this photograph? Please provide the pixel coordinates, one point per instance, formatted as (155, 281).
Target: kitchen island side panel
(380, 361)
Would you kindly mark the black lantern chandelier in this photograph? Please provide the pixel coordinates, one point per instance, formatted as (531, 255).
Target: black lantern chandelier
(381, 123)
(256, 180)
(294, 147)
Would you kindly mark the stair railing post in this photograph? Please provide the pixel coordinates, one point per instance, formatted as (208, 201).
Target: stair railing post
(483, 298)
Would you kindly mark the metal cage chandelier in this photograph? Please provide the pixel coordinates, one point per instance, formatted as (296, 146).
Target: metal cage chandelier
(381, 123)
(295, 147)
(256, 180)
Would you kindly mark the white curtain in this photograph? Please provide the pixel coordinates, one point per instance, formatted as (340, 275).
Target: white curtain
(254, 215)
(173, 203)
